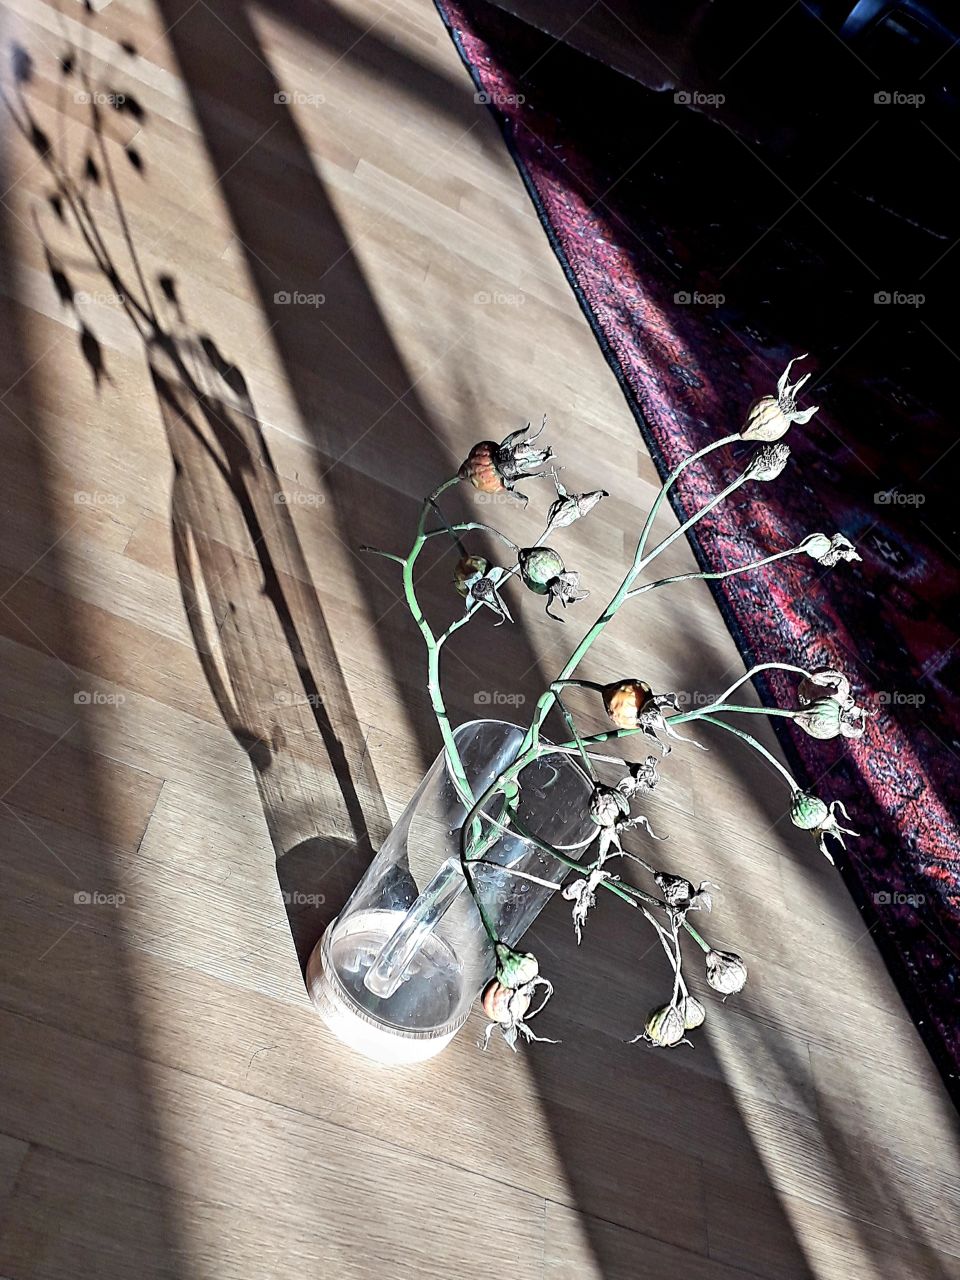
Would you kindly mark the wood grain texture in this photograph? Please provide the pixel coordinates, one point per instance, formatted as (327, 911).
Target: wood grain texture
(180, 530)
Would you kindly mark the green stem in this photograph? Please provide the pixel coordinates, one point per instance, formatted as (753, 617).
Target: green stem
(433, 649)
(669, 483)
(757, 746)
(684, 717)
(465, 526)
(708, 577)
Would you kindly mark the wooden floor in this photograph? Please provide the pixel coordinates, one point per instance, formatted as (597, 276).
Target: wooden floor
(209, 698)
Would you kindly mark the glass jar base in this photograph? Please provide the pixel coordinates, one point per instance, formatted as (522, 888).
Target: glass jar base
(346, 1017)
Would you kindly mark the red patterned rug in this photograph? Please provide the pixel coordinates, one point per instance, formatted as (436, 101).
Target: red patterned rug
(701, 277)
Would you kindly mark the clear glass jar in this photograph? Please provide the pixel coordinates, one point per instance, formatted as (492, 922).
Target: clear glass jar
(396, 973)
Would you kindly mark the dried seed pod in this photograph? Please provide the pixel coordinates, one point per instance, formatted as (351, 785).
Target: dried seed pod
(693, 1013)
(624, 700)
(539, 568)
(828, 551)
(768, 461)
(726, 972)
(664, 1027)
(770, 417)
(821, 719)
(807, 811)
(480, 468)
(469, 571)
(503, 1004)
(824, 682)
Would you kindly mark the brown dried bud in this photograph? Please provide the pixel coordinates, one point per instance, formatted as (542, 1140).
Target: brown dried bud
(480, 468)
(503, 1004)
(624, 700)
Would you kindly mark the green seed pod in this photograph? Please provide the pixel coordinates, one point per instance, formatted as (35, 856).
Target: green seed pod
(807, 811)
(515, 968)
(821, 719)
(539, 567)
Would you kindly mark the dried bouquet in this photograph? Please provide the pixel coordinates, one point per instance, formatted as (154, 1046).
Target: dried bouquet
(825, 708)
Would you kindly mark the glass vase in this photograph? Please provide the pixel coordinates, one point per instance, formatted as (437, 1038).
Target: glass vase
(396, 973)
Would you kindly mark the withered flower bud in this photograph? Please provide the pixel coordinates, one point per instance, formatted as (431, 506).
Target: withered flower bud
(571, 506)
(693, 1013)
(828, 551)
(608, 805)
(680, 894)
(770, 417)
(853, 720)
(492, 467)
(664, 1027)
(484, 590)
(768, 461)
(469, 571)
(824, 682)
(726, 972)
(641, 777)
